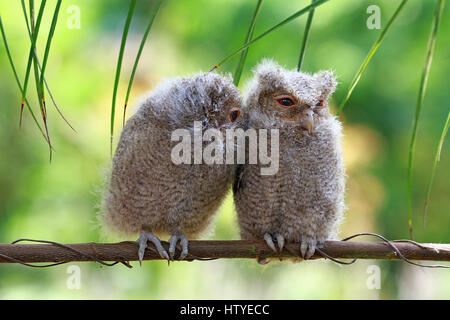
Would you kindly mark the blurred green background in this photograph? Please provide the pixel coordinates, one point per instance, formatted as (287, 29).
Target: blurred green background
(59, 201)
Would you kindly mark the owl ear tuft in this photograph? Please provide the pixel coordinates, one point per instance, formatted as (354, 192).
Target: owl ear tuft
(267, 72)
(327, 81)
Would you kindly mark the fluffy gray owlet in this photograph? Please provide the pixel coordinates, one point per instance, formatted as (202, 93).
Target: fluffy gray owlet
(304, 201)
(151, 195)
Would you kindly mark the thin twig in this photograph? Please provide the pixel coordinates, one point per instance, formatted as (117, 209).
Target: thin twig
(70, 249)
(122, 252)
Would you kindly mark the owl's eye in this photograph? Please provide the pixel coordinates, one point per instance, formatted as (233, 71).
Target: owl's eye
(320, 103)
(286, 102)
(234, 114)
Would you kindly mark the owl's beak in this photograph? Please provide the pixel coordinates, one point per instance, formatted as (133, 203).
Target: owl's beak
(307, 120)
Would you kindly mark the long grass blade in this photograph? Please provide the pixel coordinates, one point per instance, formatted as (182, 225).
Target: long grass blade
(423, 85)
(433, 168)
(305, 37)
(47, 51)
(262, 35)
(44, 62)
(32, 48)
(138, 56)
(40, 68)
(240, 66)
(369, 56)
(11, 62)
(40, 93)
(119, 66)
(24, 9)
(39, 87)
(29, 32)
(49, 41)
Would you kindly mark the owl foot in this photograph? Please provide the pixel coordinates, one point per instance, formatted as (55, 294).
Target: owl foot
(308, 247)
(173, 243)
(148, 236)
(270, 243)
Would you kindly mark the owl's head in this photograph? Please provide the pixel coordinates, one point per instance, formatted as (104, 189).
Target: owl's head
(288, 98)
(220, 101)
(207, 97)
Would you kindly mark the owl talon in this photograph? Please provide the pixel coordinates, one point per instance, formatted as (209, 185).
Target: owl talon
(184, 246)
(310, 252)
(280, 242)
(269, 242)
(148, 236)
(172, 244)
(303, 247)
(307, 248)
(142, 245)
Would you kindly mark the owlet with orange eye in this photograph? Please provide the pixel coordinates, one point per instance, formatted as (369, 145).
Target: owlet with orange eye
(149, 193)
(303, 202)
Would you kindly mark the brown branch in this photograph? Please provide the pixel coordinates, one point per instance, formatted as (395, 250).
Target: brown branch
(127, 251)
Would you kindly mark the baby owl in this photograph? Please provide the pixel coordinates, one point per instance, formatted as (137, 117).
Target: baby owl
(151, 195)
(304, 201)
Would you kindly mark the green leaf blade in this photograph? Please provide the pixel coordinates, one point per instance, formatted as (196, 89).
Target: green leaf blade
(138, 56)
(437, 157)
(305, 37)
(240, 66)
(262, 35)
(33, 45)
(49, 40)
(16, 76)
(422, 89)
(369, 56)
(119, 66)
